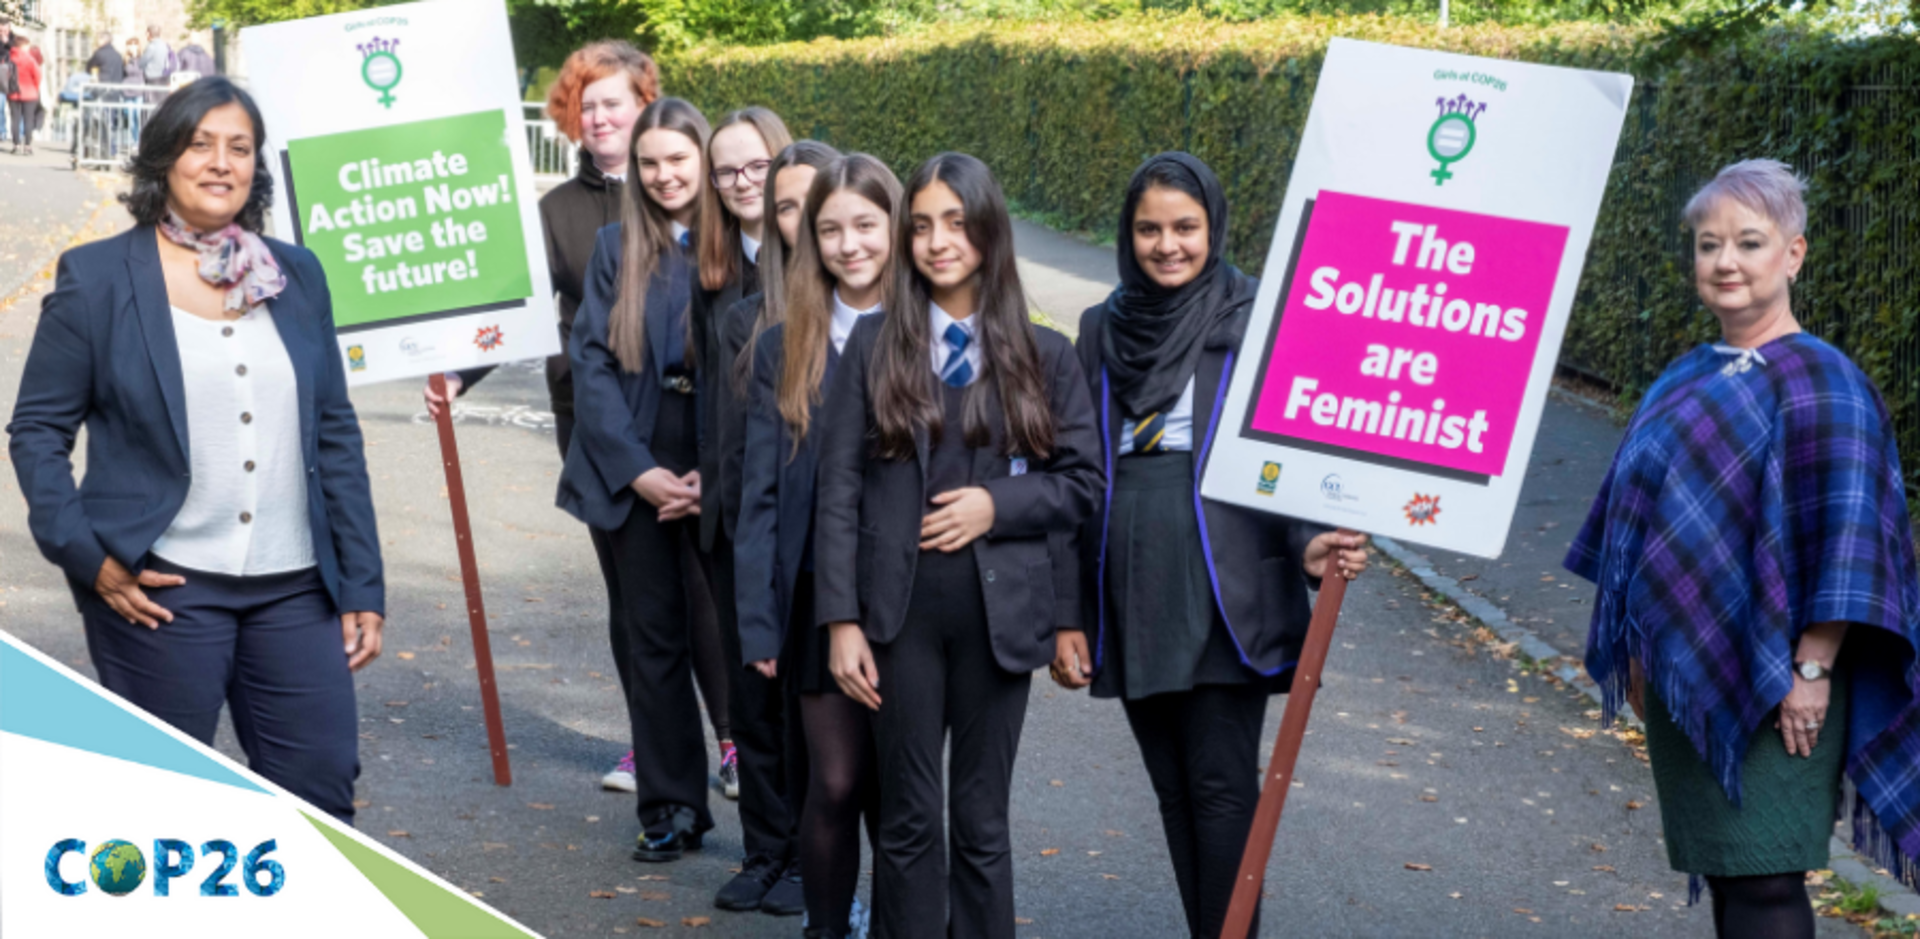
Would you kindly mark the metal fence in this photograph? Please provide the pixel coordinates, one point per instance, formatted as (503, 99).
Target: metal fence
(104, 129)
(554, 156)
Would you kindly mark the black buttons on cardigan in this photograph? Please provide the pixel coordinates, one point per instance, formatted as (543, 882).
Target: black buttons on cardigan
(246, 517)
(246, 417)
(240, 370)
(249, 465)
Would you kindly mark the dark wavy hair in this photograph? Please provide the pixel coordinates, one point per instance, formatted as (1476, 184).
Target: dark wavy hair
(168, 133)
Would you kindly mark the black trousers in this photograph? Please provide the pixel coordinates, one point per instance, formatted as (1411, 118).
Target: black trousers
(269, 648)
(1202, 750)
(758, 716)
(937, 677)
(25, 115)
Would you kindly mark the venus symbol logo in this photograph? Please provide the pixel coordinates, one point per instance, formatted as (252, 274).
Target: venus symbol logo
(1452, 135)
(379, 67)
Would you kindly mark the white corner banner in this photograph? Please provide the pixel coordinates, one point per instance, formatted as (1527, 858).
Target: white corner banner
(399, 156)
(1420, 280)
(114, 823)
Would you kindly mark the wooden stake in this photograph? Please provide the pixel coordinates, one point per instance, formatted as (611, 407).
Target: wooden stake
(1286, 752)
(470, 574)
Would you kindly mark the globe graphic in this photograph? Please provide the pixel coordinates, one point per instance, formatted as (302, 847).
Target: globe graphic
(118, 867)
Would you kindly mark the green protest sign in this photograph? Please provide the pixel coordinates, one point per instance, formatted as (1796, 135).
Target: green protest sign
(413, 219)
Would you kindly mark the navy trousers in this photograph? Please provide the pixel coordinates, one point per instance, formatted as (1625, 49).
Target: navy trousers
(270, 648)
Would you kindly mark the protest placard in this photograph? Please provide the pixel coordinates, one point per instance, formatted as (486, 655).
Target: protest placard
(399, 154)
(1416, 292)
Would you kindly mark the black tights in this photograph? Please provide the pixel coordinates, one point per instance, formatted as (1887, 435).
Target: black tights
(1769, 906)
(842, 786)
(709, 656)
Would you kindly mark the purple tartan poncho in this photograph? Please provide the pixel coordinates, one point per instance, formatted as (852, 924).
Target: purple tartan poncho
(1753, 496)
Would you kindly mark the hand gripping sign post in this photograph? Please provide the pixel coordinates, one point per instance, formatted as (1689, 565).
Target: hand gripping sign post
(1418, 286)
(400, 159)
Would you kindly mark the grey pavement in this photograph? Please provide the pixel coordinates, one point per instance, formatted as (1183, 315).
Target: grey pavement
(1427, 750)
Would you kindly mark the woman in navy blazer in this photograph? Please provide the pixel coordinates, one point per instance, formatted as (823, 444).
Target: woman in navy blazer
(222, 545)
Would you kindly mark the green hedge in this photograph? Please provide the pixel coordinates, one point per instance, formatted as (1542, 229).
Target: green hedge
(1064, 112)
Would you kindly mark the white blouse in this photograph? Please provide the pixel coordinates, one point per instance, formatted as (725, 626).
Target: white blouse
(840, 328)
(246, 508)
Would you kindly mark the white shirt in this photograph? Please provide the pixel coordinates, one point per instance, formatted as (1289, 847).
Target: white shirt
(751, 245)
(1179, 434)
(246, 508)
(942, 349)
(844, 319)
(679, 232)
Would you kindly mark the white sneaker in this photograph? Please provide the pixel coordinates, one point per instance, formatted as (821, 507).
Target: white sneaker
(620, 778)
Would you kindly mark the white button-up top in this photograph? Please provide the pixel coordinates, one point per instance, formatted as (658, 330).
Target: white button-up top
(246, 508)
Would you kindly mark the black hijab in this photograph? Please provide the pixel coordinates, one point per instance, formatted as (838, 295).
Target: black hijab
(1154, 336)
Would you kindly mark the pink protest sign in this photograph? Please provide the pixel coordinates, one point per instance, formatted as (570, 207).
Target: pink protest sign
(1407, 334)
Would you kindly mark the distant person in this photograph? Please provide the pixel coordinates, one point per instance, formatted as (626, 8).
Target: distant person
(157, 62)
(106, 65)
(194, 57)
(1758, 604)
(243, 570)
(23, 101)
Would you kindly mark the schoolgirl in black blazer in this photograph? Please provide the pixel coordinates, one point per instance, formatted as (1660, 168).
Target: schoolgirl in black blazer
(957, 461)
(1197, 609)
(632, 465)
(839, 277)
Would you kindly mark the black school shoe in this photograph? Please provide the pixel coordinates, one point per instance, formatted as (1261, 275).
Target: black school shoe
(786, 898)
(747, 888)
(669, 836)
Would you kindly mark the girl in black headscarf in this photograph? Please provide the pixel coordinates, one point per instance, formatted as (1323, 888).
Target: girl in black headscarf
(1197, 609)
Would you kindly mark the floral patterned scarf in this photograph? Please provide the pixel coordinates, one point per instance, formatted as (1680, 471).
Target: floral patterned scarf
(231, 257)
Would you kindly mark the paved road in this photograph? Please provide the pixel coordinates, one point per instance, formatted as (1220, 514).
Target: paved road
(1426, 748)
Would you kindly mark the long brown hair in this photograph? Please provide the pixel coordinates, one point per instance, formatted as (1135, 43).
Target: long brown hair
(646, 230)
(774, 252)
(810, 285)
(719, 230)
(903, 383)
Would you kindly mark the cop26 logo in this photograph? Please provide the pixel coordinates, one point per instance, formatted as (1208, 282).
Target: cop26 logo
(380, 67)
(1452, 135)
(118, 868)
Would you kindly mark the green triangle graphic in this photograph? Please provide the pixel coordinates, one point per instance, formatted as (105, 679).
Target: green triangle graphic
(432, 908)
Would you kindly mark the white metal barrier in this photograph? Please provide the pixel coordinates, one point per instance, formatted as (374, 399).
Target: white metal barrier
(555, 158)
(106, 129)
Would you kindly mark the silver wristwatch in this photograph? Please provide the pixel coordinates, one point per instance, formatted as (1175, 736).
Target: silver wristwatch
(1812, 671)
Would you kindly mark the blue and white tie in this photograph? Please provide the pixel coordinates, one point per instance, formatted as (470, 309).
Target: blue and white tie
(957, 372)
(686, 239)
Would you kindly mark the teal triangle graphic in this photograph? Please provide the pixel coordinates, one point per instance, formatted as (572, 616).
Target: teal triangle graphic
(39, 701)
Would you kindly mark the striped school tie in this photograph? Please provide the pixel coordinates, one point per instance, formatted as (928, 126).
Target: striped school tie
(686, 239)
(1150, 432)
(957, 372)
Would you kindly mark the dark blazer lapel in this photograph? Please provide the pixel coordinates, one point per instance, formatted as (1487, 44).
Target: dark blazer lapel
(1206, 386)
(156, 322)
(291, 319)
(985, 457)
(658, 317)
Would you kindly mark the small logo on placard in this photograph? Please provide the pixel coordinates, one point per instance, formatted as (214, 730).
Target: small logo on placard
(357, 358)
(1334, 490)
(1423, 510)
(1452, 135)
(489, 338)
(1269, 478)
(380, 67)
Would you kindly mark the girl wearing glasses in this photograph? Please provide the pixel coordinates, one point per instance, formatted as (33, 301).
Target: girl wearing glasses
(632, 465)
(727, 254)
(958, 458)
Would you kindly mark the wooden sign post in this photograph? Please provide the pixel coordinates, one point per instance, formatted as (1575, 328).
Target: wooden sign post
(470, 575)
(1286, 752)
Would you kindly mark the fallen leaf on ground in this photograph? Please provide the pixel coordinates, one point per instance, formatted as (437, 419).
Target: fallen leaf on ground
(397, 833)
(1022, 921)
(651, 923)
(1604, 867)
(1456, 894)
(1418, 867)
(1521, 910)
(1429, 798)
(1629, 908)
(602, 894)
(655, 896)
(405, 656)
(1111, 876)
(1635, 805)
(1056, 784)
(496, 880)
(542, 806)
(695, 921)
(493, 846)
(1049, 852)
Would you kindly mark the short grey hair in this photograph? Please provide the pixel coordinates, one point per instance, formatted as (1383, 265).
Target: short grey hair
(1768, 187)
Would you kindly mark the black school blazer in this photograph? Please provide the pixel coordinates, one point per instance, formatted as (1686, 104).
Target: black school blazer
(1253, 558)
(615, 410)
(867, 521)
(723, 414)
(776, 505)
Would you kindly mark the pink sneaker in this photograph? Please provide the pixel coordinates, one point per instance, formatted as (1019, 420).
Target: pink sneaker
(729, 770)
(620, 779)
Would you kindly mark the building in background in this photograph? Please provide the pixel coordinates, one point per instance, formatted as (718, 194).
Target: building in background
(65, 31)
